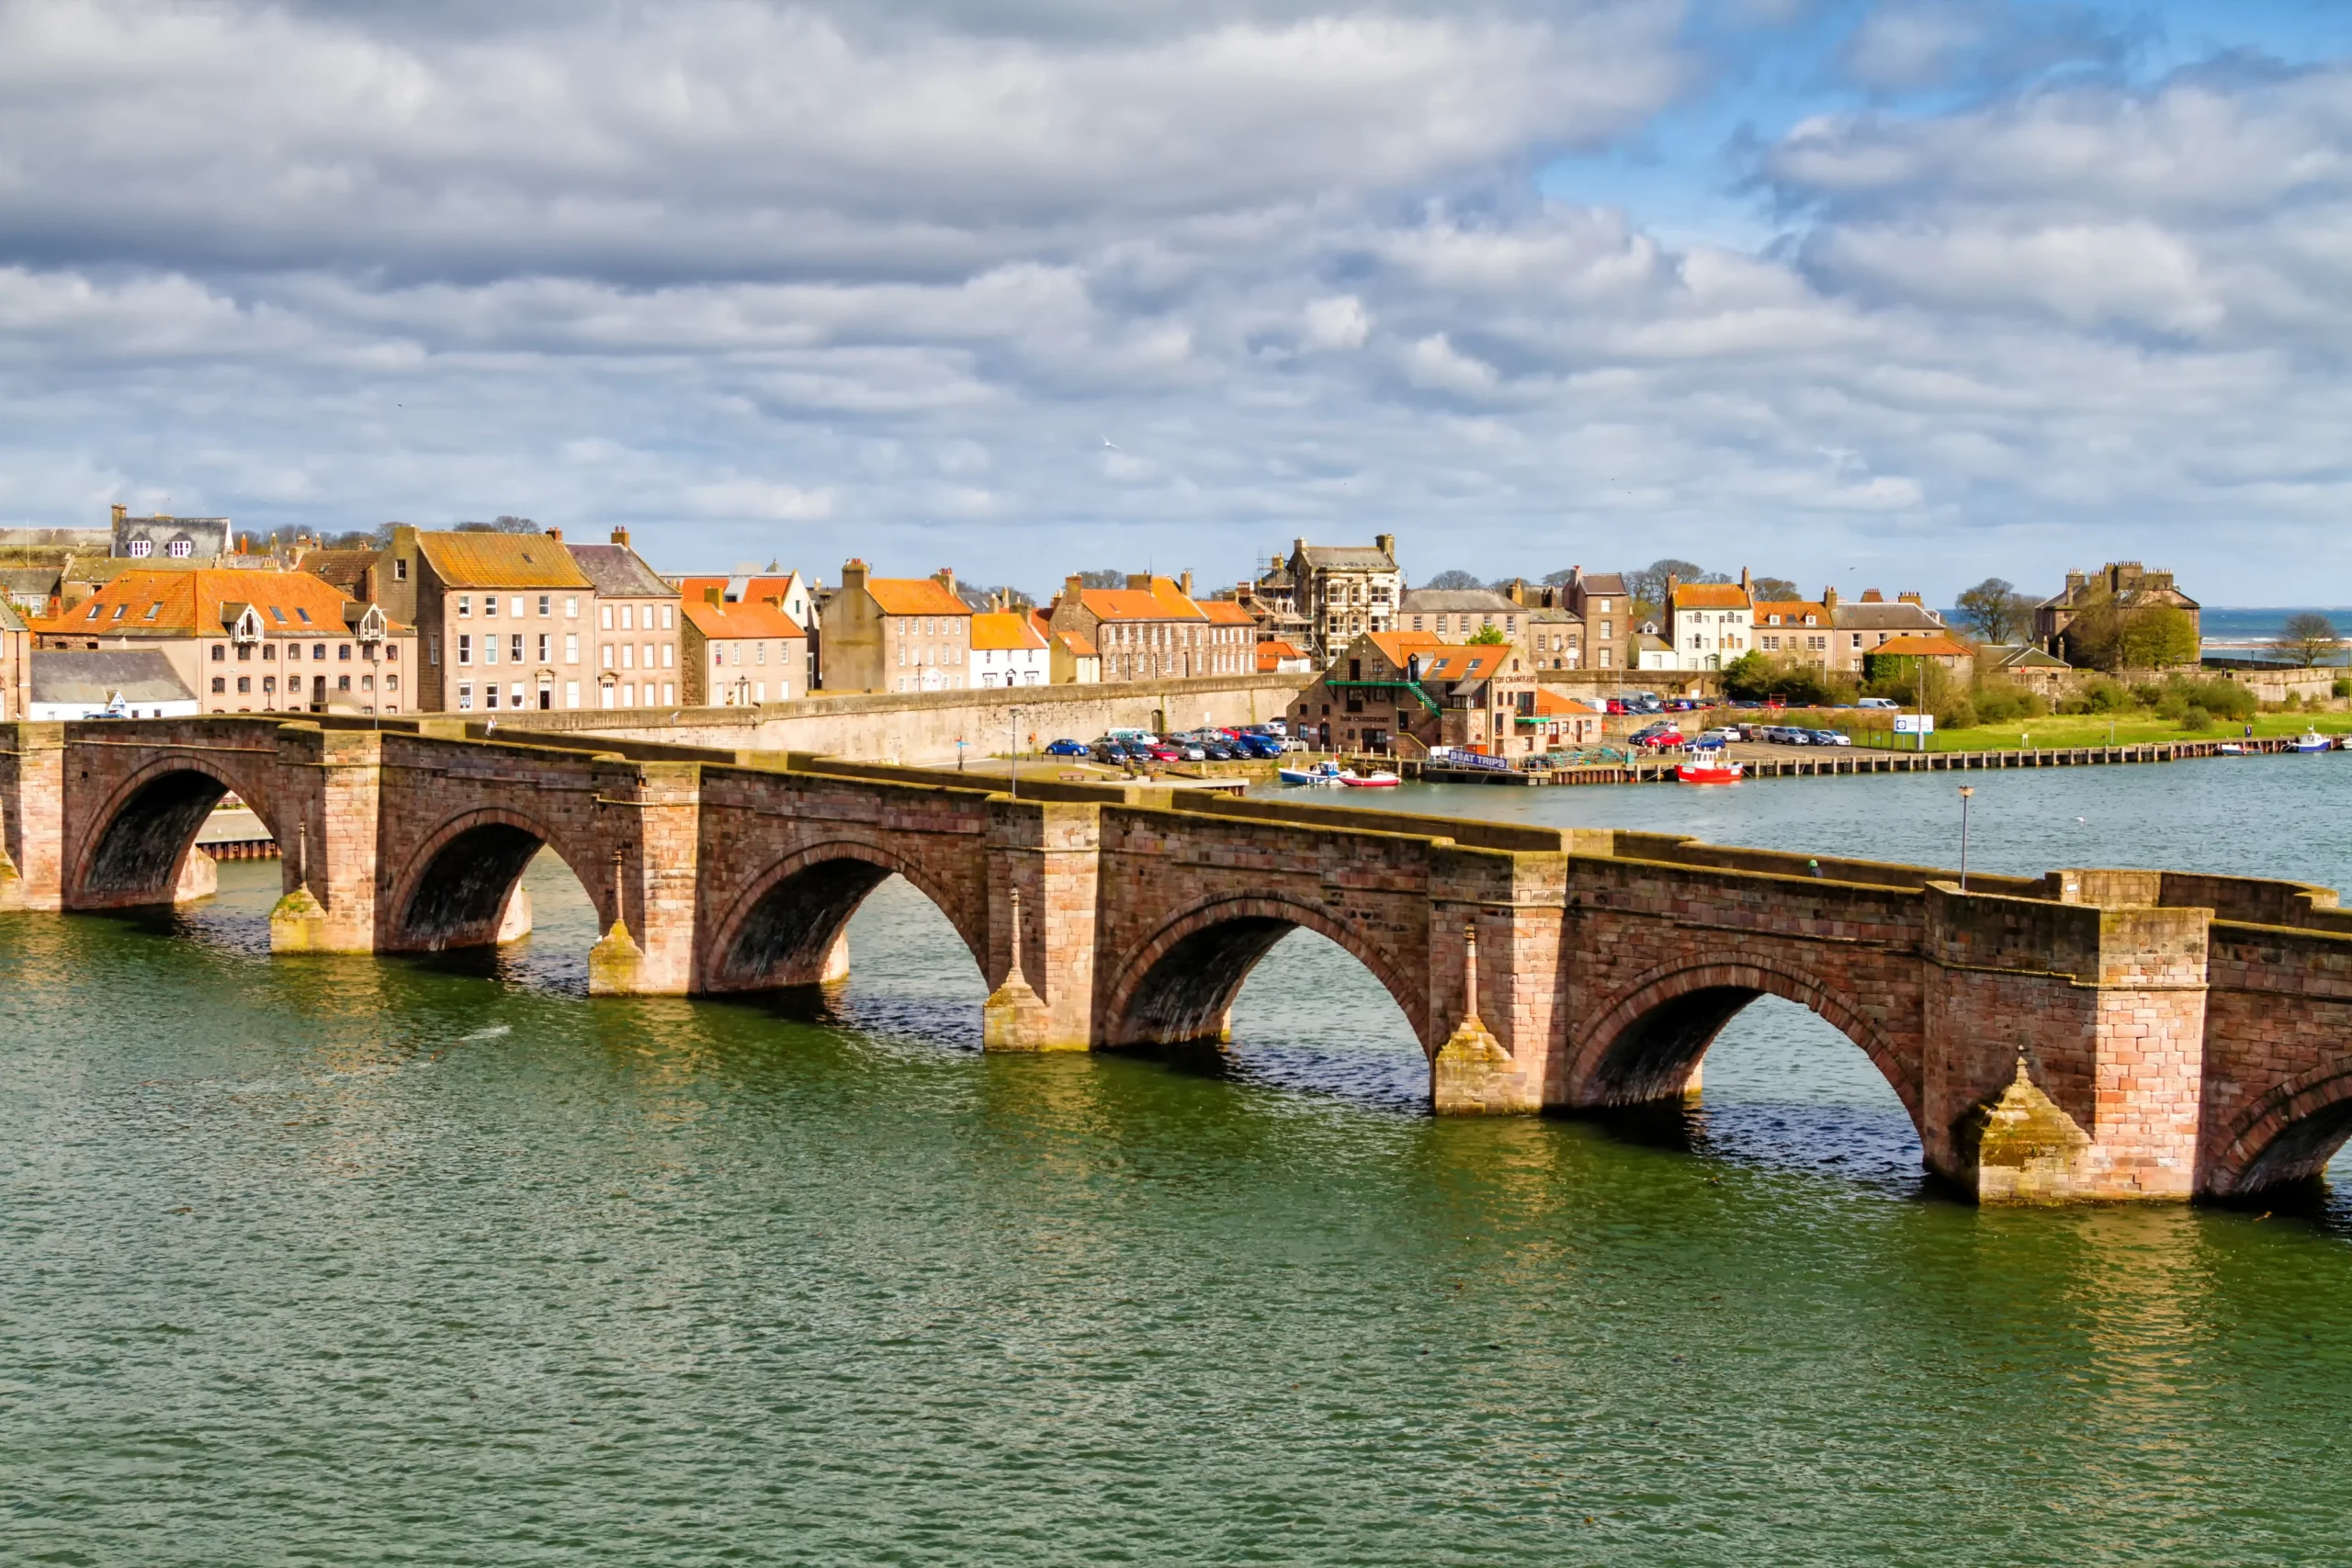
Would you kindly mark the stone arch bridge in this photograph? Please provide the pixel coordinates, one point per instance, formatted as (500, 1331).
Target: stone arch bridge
(2088, 1034)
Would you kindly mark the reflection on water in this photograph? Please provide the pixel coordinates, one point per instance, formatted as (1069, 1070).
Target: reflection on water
(441, 1260)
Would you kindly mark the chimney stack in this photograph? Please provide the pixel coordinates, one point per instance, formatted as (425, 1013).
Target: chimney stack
(620, 538)
(1140, 582)
(1518, 591)
(711, 595)
(1829, 597)
(120, 511)
(1385, 543)
(1908, 599)
(1185, 582)
(1072, 586)
(853, 576)
(556, 534)
(1747, 585)
(945, 578)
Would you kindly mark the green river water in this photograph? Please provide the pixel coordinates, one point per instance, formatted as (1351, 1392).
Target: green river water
(358, 1261)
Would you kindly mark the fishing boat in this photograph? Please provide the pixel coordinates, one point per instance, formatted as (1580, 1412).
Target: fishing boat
(2312, 740)
(1384, 778)
(2229, 748)
(1708, 767)
(1320, 773)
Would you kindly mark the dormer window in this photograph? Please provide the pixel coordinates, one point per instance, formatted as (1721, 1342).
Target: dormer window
(181, 547)
(141, 548)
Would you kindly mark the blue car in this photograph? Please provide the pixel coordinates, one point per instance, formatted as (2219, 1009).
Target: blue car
(1065, 748)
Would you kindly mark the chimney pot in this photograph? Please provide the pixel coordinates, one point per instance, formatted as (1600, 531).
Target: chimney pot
(556, 534)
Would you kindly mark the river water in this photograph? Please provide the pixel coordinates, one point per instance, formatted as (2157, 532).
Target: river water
(335, 1261)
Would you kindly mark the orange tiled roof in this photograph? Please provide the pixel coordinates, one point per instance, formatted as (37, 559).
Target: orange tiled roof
(763, 585)
(1792, 612)
(914, 596)
(1456, 663)
(1710, 596)
(1923, 647)
(1226, 612)
(501, 560)
(1080, 644)
(1395, 646)
(750, 618)
(1162, 602)
(1271, 654)
(192, 603)
(1553, 703)
(1005, 630)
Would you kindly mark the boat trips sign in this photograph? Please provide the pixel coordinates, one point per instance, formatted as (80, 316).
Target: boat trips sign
(1915, 724)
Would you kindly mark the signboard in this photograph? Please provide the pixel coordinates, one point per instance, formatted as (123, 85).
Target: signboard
(1915, 724)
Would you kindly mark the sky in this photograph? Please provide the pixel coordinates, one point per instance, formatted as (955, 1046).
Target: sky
(1890, 293)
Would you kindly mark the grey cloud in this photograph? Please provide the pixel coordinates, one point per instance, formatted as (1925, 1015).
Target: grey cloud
(1908, 46)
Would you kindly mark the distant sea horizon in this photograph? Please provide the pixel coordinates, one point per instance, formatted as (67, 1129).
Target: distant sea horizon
(2240, 626)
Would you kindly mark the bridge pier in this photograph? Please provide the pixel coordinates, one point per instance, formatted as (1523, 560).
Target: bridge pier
(651, 812)
(2064, 1040)
(32, 817)
(1044, 862)
(1495, 963)
(331, 785)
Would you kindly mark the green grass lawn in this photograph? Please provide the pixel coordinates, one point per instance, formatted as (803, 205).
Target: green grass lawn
(2125, 729)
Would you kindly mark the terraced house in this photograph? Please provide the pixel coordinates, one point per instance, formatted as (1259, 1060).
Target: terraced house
(637, 624)
(896, 634)
(1149, 630)
(251, 642)
(507, 620)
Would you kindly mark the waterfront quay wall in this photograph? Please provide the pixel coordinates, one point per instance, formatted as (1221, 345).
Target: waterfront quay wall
(2090, 1034)
(924, 726)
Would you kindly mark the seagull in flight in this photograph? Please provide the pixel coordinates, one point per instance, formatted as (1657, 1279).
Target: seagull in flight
(1113, 445)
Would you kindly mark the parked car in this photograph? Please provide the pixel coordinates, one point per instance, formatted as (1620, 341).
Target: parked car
(1887, 703)
(1160, 752)
(1832, 738)
(1616, 705)
(1065, 748)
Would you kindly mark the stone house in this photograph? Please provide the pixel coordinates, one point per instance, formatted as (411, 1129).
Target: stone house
(896, 634)
(2126, 584)
(795, 592)
(739, 654)
(636, 625)
(1232, 635)
(168, 538)
(250, 641)
(1800, 630)
(506, 620)
(1896, 655)
(1149, 630)
(1341, 591)
(1405, 692)
(2026, 665)
(1278, 658)
(1009, 650)
(1071, 656)
(1456, 613)
(1709, 624)
(1862, 626)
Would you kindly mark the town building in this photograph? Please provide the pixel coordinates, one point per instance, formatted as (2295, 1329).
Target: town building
(1009, 650)
(168, 538)
(739, 653)
(1232, 635)
(1408, 692)
(1603, 603)
(2028, 665)
(1709, 624)
(635, 628)
(896, 634)
(793, 591)
(1865, 625)
(1279, 658)
(250, 641)
(16, 665)
(35, 590)
(1341, 591)
(1149, 630)
(1456, 613)
(2125, 583)
(1798, 631)
(506, 620)
(1652, 652)
(1271, 600)
(1560, 722)
(1894, 657)
(123, 682)
(1071, 657)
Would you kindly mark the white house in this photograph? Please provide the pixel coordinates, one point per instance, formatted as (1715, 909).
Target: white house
(1709, 624)
(1009, 650)
(130, 682)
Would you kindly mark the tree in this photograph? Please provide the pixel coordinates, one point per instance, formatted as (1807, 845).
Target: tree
(1996, 610)
(1102, 579)
(357, 539)
(1778, 590)
(1454, 580)
(1648, 585)
(505, 523)
(2157, 636)
(1561, 578)
(2308, 638)
(1487, 637)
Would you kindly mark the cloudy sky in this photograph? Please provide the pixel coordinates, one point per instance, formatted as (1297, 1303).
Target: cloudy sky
(1900, 292)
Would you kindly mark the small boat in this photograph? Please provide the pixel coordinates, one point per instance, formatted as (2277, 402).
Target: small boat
(1320, 773)
(2229, 748)
(2312, 740)
(1706, 770)
(1381, 780)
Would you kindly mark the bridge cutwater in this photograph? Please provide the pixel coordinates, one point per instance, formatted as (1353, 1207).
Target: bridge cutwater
(2088, 1034)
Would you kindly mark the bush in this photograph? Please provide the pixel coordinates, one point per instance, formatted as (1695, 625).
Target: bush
(2294, 700)
(2341, 689)
(1958, 713)
(2222, 698)
(2104, 695)
(2003, 702)
(2196, 720)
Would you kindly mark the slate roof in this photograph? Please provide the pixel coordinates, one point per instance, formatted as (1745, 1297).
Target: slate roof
(2021, 656)
(140, 674)
(342, 568)
(619, 573)
(1606, 585)
(1859, 616)
(1347, 558)
(501, 560)
(10, 621)
(1446, 600)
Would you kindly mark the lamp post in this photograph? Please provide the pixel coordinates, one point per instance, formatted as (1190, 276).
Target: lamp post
(1967, 792)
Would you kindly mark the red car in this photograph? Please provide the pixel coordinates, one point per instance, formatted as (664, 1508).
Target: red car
(1162, 752)
(1616, 706)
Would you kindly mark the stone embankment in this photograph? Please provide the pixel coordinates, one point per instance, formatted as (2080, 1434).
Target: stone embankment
(1796, 762)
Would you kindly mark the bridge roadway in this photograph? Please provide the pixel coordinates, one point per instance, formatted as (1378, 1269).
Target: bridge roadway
(2088, 1034)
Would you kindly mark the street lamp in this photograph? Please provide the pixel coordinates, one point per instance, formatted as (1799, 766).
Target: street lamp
(1967, 792)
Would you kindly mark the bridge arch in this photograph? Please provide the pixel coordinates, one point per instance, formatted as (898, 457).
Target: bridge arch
(136, 843)
(786, 925)
(1645, 1046)
(1181, 985)
(2287, 1135)
(457, 882)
